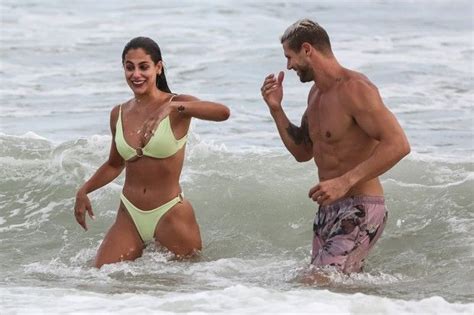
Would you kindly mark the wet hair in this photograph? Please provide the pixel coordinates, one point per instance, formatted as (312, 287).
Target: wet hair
(153, 50)
(307, 31)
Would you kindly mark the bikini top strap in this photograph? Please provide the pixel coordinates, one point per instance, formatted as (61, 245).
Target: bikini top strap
(120, 114)
(172, 97)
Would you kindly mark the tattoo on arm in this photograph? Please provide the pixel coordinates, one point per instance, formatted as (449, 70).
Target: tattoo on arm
(295, 133)
(305, 130)
(300, 134)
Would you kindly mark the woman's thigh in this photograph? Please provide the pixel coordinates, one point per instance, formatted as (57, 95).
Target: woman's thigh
(178, 230)
(122, 241)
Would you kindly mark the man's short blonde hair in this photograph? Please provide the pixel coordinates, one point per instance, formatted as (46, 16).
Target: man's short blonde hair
(307, 31)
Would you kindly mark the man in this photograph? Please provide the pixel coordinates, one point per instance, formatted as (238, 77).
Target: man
(352, 137)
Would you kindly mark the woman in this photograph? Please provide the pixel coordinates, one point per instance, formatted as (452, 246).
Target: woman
(149, 133)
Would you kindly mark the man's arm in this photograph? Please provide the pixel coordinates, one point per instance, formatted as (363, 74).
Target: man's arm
(379, 123)
(296, 139)
(366, 107)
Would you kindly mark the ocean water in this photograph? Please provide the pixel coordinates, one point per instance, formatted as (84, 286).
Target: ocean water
(60, 75)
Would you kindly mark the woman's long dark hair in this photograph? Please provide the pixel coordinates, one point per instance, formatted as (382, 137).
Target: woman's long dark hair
(152, 49)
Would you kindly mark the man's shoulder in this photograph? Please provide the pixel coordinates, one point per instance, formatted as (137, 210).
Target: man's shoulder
(358, 93)
(356, 87)
(357, 81)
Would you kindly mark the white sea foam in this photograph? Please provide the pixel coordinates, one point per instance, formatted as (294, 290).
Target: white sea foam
(469, 178)
(248, 193)
(27, 135)
(236, 299)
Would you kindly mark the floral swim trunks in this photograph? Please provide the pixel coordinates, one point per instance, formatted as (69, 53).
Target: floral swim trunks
(346, 230)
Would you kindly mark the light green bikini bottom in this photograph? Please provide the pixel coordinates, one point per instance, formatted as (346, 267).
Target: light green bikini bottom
(146, 221)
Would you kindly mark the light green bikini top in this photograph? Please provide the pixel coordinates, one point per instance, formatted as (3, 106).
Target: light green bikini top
(161, 145)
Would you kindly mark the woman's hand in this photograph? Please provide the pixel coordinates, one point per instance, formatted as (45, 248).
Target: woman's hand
(150, 125)
(82, 206)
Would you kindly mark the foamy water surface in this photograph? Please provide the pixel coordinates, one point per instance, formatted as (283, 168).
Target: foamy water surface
(61, 75)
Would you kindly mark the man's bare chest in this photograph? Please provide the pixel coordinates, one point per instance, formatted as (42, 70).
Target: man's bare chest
(328, 120)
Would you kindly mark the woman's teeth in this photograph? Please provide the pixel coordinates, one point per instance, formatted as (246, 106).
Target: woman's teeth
(138, 82)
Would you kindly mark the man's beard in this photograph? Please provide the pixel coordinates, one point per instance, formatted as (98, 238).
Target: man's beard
(306, 74)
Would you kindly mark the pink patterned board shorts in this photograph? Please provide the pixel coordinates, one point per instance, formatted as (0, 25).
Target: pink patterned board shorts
(346, 230)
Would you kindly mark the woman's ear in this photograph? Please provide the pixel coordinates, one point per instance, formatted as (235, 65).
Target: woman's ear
(159, 67)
